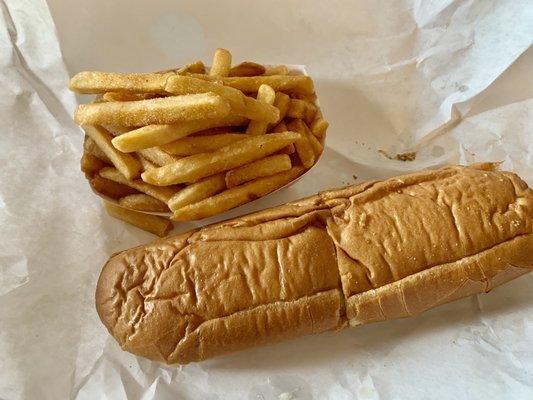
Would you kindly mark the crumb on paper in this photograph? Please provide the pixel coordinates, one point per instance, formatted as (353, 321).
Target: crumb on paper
(354, 177)
(289, 395)
(408, 156)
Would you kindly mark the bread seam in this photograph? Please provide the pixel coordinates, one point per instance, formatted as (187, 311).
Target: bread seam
(389, 287)
(261, 306)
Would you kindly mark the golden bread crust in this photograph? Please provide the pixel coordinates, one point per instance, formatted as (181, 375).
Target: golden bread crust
(366, 253)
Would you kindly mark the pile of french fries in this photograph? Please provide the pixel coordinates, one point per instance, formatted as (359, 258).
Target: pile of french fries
(195, 142)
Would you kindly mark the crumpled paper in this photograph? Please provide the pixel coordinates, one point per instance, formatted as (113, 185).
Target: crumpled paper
(448, 79)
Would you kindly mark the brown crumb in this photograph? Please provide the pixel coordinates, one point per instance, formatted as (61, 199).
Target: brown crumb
(354, 177)
(408, 156)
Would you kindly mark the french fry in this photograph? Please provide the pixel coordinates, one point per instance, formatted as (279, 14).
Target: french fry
(180, 85)
(201, 144)
(305, 151)
(276, 70)
(125, 163)
(264, 167)
(297, 109)
(311, 98)
(240, 104)
(216, 131)
(193, 168)
(146, 163)
(158, 156)
(236, 196)
(90, 147)
(259, 111)
(197, 191)
(161, 193)
(116, 130)
(125, 96)
(300, 126)
(163, 110)
(221, 63)
(283, 83)
(143, 202)
(196, 67)
(319, 127)
(88, 82)
(281, 127)
(310, 112)
(158, 135)
(111, 189)
(290, 149)
(282, 102)
(265, 95)
(247, 68)
(157, 225)
(90, 164)
(318, 148)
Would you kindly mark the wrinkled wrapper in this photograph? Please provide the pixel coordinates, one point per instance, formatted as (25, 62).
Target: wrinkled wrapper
(450, 80)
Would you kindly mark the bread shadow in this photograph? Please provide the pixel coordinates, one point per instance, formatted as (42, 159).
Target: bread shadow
(378, 339)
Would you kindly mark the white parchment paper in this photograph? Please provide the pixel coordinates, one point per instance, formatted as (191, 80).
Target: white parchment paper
(449, 79)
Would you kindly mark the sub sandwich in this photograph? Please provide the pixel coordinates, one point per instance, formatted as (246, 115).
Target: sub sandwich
(366, 253)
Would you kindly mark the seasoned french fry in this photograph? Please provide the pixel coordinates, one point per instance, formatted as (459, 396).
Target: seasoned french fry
(216, 131)
(221, 63)
(88, 82)
(247, 68)
(180, 85)
(116, 130)
(319, 127)
(300, 126)
(276, 70)
(196, 67)
(259, 111)
(281, 127)
(161, 193)
(310, 112)
(157, 135)
(284, 83)
(265, 95)
(146, 163)
(305, 151)
(318, 148)
(297, 109)
(264, 167)
(125, 96)
(282, 102)
(163, 110)
(125, 163)
(157, 225)
(311, 98)
(158, 156)
(197, 191)
(143, 202)
(90, 147)
(111, 189)
(290, 149)
(193, 168)
(236, 196)
(315, 143)
(90, 164)
(201, 144)
(240, 104)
